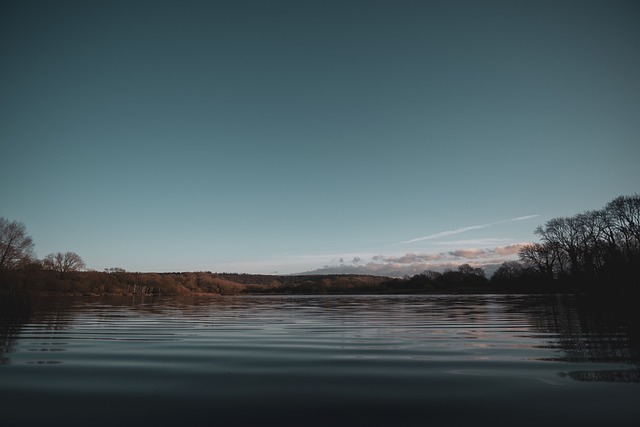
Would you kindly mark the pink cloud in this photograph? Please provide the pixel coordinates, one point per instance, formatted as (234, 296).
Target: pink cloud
(414, 263)
(468, 253)
(510, 250)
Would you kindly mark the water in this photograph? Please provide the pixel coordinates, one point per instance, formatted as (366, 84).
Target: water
(318, 361)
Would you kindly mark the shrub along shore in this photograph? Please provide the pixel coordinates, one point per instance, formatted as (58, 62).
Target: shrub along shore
(93, 283)
(464, 280)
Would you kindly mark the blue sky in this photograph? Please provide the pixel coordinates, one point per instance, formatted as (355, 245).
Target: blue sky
(262, 136)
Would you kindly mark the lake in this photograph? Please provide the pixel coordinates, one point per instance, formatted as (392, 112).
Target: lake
(319, 360)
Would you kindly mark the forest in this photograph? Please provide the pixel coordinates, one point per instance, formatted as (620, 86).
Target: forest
(593, 252)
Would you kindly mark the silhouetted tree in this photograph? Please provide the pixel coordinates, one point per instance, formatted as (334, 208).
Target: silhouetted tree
(472, 275)
(546, 258)
(63, 263)
(518, 276)
(465, 275)
(624, 215)
(508, 271)
(469, 271)
(594, 246)
(432, 276)
(16, 247)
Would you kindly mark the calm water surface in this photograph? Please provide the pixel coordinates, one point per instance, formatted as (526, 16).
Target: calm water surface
(319, 360)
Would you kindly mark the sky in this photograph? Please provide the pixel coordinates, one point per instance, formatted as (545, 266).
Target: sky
(381, 137)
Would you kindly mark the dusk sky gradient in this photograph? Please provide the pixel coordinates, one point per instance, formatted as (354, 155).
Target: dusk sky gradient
(381, 137)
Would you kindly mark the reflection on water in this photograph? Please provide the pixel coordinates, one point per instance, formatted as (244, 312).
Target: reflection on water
(14, 312)
(355, 360)
(588, 330)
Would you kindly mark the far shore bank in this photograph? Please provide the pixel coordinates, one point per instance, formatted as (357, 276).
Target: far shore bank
(93, 284)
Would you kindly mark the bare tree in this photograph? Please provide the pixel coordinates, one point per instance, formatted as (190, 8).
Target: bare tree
(546, 258)
(600, 245)
(467, 270)
(508, 271)
(563, 235)
(625, 221)
(64, 263)
(16, 247)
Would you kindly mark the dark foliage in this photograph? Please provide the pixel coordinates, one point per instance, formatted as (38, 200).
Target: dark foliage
(590, 252)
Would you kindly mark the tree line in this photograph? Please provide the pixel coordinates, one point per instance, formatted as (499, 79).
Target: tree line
(594, 250)
(16, 253)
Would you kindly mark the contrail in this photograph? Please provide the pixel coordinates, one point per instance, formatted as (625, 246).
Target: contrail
(522, 218)
(465, 229)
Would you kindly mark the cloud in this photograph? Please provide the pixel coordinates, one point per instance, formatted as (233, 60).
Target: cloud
(382, 269)
(468, 253)
(511, 249)
(409, 258)
(415, 263)
(465, 229)
(501, 251)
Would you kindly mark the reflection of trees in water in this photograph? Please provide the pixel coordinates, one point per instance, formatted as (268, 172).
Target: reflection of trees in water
(590, 329)
(14, 312)
(18, 310)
